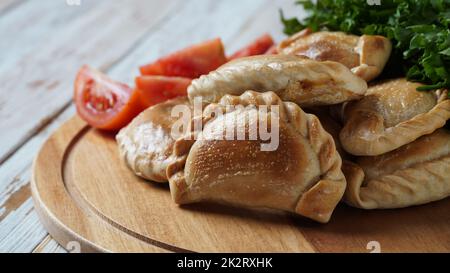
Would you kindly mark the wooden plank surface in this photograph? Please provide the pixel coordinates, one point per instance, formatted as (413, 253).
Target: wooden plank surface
(19, 229)
(55, 46)
(45, 49)
(212, 19)
(48, 245)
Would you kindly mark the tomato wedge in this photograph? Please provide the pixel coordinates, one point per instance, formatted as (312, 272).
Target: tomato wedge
(156, 89)
(104, 103)
(257, 47)
(191, 62)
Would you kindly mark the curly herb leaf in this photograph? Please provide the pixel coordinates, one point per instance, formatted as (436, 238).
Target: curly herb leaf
(419, 31)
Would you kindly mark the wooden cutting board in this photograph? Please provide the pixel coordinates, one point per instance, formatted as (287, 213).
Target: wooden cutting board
(84, 194)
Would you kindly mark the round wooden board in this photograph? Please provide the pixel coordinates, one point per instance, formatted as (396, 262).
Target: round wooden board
(84, 193)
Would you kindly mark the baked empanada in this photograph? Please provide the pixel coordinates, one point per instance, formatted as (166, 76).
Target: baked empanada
(146, 143)
(366, 56)
(293, 78)
(414, 174)
(391, 115)
(303, 175)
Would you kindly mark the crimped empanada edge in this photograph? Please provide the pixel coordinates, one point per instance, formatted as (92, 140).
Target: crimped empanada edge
(318, 202)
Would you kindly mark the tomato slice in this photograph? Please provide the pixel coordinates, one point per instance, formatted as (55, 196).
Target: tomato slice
(156, 89)
(257, 47)
(191, 62)
(104, 103)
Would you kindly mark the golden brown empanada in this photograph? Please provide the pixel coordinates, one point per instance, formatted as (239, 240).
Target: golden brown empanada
(303, 175)
(391, 115)
(414, 174)
(294, 78)
(146, 143)
(366, 56)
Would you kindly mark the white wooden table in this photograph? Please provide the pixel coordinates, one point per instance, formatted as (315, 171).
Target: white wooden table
(42, 45)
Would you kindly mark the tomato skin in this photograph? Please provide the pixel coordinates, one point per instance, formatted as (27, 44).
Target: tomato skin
(191, 62)
(93, 89)
(257, 47)
(156, 89)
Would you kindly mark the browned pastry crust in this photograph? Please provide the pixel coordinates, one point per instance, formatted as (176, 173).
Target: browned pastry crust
(391, 115)
(366, 56)
(415, 174)
(146, 143)
(302, 176)
(294, 78)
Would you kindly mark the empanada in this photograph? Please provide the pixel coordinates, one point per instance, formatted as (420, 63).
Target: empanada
(146, 143)
(391, 115)
(294, 78)
(414, 174)
(366, 56)
(303, 175)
